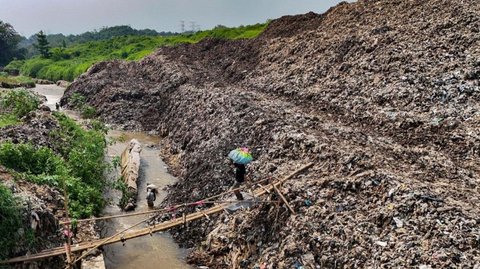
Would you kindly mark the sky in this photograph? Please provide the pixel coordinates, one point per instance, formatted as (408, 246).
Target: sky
(79, 16)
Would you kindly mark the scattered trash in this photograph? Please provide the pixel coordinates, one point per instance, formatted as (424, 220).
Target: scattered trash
(398, 222)
(381, 243)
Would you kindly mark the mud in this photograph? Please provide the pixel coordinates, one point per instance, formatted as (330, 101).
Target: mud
(382, 95)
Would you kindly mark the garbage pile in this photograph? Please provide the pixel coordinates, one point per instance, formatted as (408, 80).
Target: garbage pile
(35, 129)
(382, 95)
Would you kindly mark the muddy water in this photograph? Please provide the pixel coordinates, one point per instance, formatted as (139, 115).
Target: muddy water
(52, 92)
(148, 252)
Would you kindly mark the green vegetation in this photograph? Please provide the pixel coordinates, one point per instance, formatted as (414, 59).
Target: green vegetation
(60, 40)
(78, 102)
(18, 102)
(88, 112)
(10, 220)
(76, 162)
(14, 104)
(7, 120)
(7, 81)
(42, 45)
(83, 152)
(9, 40)
(127, 195)
(68, 63)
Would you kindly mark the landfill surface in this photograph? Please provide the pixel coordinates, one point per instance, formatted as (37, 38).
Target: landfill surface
(383, 96)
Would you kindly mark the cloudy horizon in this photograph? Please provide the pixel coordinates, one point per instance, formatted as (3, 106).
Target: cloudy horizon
(75, 17)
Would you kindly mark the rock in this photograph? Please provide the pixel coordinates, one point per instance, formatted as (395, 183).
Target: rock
(44, 108)
(63, 83)
(398, 222)
(308, 259)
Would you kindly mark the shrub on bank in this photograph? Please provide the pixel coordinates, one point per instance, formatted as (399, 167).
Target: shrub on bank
(7, 81)
(15, 104)
(18, 102)
(10, 220)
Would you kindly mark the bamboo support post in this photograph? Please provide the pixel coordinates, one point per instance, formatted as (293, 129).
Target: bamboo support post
(283, 199)
(206, 216)
(262, 187)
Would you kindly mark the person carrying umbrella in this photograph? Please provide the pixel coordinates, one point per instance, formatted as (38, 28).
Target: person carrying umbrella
(240, 157)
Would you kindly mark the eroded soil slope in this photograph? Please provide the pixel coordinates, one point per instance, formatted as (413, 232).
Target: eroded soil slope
(382, 95)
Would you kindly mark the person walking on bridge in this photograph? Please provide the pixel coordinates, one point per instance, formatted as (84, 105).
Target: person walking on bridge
(240, 157)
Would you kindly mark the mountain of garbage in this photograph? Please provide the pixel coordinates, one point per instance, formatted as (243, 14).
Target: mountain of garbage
(383, 96)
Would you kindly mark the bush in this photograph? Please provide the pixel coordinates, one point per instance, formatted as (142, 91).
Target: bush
(82, 149)
(7, 120)
(26, 158)
(77, 100)
(88, 112)
(19, 102)
(10, 221)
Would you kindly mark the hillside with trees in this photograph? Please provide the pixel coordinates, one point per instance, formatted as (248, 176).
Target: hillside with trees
(105, 33)
(9, 40)
(68, 62)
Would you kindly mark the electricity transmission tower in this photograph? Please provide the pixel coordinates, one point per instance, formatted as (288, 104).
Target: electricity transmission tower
(182, 26)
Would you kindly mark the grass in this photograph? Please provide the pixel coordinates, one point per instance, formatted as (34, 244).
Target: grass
(7, 81)
(68, 63)
(7, 120)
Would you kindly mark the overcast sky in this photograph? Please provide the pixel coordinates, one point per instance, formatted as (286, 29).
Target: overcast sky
(78, 16)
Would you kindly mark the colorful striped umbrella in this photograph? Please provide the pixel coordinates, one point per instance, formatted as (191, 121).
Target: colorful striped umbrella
(241, 155)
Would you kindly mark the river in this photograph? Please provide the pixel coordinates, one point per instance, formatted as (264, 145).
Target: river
(148, 252)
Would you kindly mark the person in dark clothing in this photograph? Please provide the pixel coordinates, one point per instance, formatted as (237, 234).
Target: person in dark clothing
(240, 172)
(57, 106)
(151, 194)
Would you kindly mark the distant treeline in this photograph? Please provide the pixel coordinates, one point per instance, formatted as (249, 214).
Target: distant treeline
(61, 40)
(68, 62)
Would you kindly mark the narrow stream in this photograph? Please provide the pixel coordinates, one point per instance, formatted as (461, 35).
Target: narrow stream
(148, 252)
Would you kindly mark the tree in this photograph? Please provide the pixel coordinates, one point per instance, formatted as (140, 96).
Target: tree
(9, 40)
(42, 45)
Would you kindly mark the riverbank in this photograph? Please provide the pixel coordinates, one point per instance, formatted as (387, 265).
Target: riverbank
(49, 161)
(10, 82)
